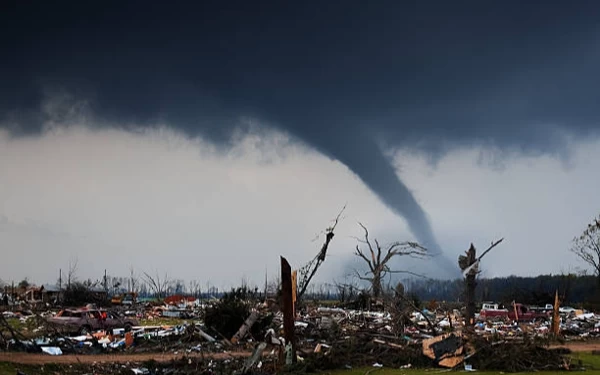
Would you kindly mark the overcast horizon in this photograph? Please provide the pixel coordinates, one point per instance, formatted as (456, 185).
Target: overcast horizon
(206, 140)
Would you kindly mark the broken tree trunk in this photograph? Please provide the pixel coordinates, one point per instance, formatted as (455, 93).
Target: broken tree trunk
(288, 306)
(555, 315)
(251, 361)
(243, 331)
(308, 271)
(206, 336)
(468, 263)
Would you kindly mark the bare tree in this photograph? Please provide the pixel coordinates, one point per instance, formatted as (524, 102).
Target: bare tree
(72, 273)
(346, 292)
(377, 259)
(195, 288)
(158, 285)
(133, 280)
(587, 246)
(308, 271)
(274, 285)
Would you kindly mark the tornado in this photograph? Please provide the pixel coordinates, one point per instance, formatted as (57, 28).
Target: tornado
(363, 156)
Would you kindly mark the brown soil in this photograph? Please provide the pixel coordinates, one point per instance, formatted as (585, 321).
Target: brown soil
(40, 359)
(580, 346)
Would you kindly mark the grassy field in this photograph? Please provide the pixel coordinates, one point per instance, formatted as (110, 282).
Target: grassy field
(27, 328)
(164, 321)
(590, 362)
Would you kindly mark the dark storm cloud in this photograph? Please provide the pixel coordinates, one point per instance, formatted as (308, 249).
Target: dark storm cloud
(341, 76)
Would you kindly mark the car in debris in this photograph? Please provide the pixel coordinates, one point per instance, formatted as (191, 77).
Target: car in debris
(84, 321)
(129, 298)
(566, 309)
(517, 312)
(488, 307)
(547, 308)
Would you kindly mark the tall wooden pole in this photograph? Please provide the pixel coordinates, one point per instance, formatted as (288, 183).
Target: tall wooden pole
(555, 315)
(288, 305)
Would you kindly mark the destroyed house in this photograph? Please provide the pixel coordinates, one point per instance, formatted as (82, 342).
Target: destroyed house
(33, 294)
(98, 292)
(43, 293)
(51, 293)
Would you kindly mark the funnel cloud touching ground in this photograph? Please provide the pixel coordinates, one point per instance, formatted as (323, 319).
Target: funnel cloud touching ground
(349, 80)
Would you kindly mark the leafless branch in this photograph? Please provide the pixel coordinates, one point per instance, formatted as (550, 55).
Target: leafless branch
(132, 279)
(587, 245)
(409, 273)
(377, 260)
(309, 270)
(493, 245)
(72, 273)
(157, 285)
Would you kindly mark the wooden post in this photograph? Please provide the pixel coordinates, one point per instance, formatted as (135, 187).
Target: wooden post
(288, 305)
(294, 280)
(555, 315)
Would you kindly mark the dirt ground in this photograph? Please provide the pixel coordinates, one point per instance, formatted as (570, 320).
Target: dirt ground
(40, 359)
(582, 346)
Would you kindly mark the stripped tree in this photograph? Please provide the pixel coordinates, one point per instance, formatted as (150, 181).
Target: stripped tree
(308, 271)
(378, 258)
(158, 285)
(587, 246)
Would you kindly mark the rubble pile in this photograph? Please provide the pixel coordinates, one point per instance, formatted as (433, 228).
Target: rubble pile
(519, 357)
(326, 337)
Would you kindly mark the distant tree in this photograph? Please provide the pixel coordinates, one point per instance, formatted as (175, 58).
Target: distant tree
(587, 246)
(72, 273)
(346, 291)
(158, 285)
(24, 284)
(195, 288)
(133, 280)
(377, 260)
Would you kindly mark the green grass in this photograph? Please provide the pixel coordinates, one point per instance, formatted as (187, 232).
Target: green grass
(26, 329)
(384, 371)
(590, 362)
(164, 321)
(11, 369)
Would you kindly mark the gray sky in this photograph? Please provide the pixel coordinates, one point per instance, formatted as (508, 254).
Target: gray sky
(278, 92)
(160, 200)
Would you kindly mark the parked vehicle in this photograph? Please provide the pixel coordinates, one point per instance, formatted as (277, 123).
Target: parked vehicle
(129, 298)
(548, 308)
(492, 307)
(567, 309)
(84, 321)
(518, 312)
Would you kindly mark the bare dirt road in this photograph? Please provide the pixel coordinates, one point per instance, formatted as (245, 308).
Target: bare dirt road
(40, 359)
(582, 346)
